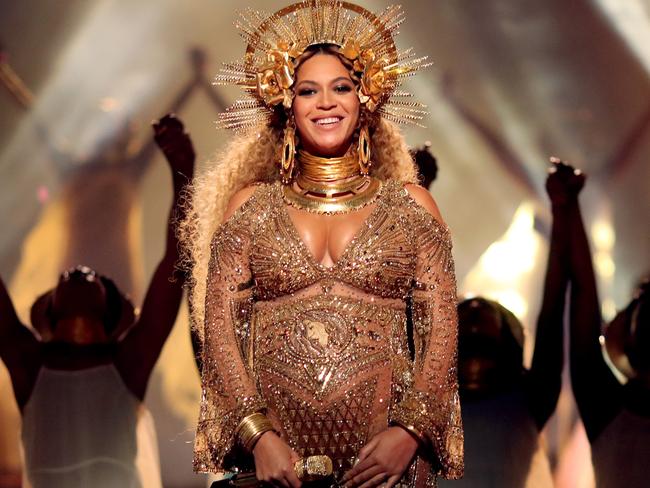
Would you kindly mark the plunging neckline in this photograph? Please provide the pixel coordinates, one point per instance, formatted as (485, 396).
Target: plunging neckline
(295, 233)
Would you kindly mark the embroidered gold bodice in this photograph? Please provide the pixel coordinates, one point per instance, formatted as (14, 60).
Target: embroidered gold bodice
(324, 351)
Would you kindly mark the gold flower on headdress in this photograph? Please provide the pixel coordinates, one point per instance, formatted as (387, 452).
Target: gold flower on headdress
(373, 74)
(276, 77)
(373, 83)
(351, 50)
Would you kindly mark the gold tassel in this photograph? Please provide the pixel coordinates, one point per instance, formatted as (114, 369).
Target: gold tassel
(364, 150)
(288, 154)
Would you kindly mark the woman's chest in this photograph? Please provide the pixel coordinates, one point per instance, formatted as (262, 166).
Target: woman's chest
(326, 237)
(368, 249)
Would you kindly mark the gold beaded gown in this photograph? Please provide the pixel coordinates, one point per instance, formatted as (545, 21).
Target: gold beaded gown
(323, 351)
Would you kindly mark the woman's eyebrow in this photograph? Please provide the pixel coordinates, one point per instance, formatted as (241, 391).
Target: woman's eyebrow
(340, 78)
(312, 82)
(306, 82)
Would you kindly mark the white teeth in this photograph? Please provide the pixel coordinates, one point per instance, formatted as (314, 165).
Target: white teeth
(329, 120)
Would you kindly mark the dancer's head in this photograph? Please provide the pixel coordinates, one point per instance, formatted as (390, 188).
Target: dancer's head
(490, 346)
(84, 308)
(627, 338)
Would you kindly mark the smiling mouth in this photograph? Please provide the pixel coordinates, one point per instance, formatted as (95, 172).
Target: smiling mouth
(328, 121)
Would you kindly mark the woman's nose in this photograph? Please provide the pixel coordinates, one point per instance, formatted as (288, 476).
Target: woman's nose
(326, 100)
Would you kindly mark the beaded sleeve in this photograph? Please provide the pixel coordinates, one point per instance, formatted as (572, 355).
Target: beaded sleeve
(229, 392)
(432, 407)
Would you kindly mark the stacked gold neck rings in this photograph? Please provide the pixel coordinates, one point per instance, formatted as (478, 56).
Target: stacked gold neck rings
(327, 170)
(330, 185)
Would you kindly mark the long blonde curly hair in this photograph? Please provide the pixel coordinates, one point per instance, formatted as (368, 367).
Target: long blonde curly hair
(253, 157)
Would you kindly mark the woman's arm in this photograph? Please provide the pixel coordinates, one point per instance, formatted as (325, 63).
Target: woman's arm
(139, 350)
(430, 410)
(229, 391)
(544, 380)
(9, 321)
(596, 390)
(432, 406)
(19, 349)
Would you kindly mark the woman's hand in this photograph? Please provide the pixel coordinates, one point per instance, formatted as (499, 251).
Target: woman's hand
(176, 144)
(383, 460)
(274, 461)
(564, 182)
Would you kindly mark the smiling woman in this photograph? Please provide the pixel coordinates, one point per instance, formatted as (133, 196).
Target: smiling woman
(301, 276)
(326, 107)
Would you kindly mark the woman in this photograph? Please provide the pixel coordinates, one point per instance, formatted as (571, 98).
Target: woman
(300, 293)
(80, 386)
(610, 370)
(505, 405)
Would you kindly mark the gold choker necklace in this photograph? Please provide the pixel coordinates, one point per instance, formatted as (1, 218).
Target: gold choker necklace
(327, 170)
(330, 185)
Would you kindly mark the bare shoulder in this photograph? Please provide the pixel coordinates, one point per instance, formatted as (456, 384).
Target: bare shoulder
(238, 199)
(424, 199)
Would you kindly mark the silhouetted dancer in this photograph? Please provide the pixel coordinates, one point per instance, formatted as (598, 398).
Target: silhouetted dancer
(427, 164)
(610, 376)
(80, 385)
(504, 405)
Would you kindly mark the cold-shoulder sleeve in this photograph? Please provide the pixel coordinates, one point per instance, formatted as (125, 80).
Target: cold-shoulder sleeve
(229, 392)
(432, 407)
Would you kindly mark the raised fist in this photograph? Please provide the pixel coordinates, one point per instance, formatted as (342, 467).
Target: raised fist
(564, 182)
(176, 144)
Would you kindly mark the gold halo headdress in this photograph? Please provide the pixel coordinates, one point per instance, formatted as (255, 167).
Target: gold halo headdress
(275, 42)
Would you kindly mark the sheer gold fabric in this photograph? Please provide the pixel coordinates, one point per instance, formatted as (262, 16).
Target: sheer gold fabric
(324, 350)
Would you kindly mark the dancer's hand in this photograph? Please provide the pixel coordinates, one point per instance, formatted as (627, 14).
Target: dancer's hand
(383, 460)
(274, 461)
(564, 182)
(176, 144)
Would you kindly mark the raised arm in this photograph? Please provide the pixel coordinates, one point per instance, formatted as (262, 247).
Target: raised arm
(432, 406)
(19, 349)
(595, 388)
(139, 350)
(9, 321)
(545, 376)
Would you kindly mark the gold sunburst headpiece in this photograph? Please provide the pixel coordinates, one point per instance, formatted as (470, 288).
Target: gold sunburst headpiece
(275, 42)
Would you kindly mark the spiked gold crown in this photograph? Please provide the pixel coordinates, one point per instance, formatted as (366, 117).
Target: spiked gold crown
(275, 42)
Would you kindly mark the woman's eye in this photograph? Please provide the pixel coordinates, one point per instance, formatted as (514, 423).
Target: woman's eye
(306, 91)
(343, 88)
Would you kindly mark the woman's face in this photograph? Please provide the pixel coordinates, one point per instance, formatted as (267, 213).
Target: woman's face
(326, 106)
(638, 342)
(79, 308)
(483, 363)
